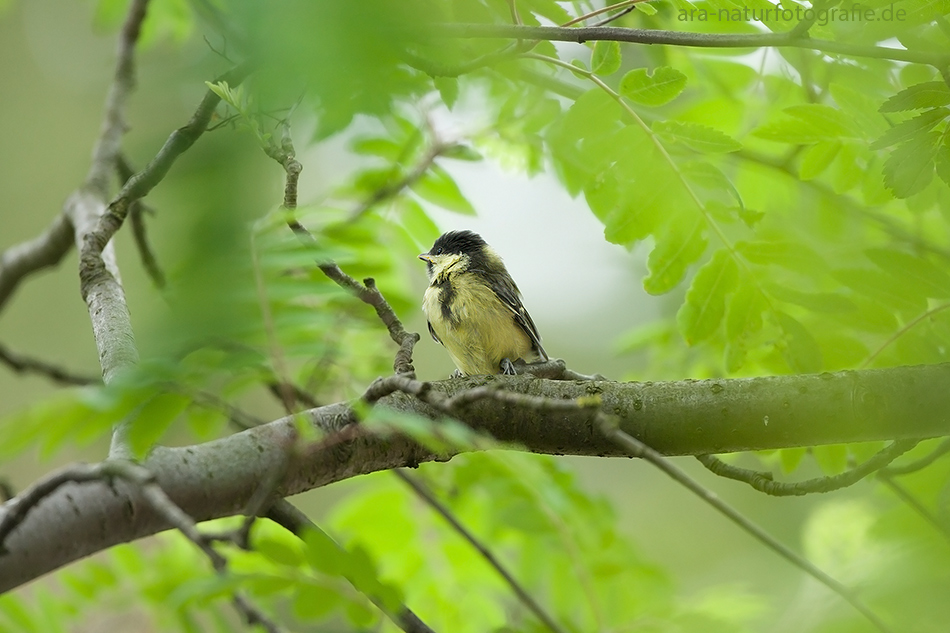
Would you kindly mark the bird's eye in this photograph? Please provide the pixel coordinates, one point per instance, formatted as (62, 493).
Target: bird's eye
(438, 251)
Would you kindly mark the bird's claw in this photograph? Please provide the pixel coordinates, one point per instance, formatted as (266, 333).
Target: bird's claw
(507, 367)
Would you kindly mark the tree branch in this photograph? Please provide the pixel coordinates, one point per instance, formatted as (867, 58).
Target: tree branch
(678, 38)
(43, 251)
(99, 285)
(367, 292)
(901, 493)
(763, 482)
(217, 478)
(636, 448)
(290, 518)
(144, 487)
(23, 364)
(426, 495)
(137, 211)
(905, 469)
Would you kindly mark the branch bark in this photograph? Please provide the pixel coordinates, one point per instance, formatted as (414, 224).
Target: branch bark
(675, 418)
(44, 251)
(679, 38)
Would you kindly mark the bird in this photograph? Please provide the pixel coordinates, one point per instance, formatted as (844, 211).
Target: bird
(473, 307)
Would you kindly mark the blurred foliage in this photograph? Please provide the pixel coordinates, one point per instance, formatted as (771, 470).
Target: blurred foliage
(795, 205)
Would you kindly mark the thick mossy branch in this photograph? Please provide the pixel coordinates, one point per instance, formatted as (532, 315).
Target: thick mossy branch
(675, 418)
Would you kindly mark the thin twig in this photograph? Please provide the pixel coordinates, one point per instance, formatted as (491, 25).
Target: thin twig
(513, 9)
(43, 251)
(526, 599)
(602, 10)
(901, 332)
(681, 38)
(144, 482)
(238, 417)
(554, 369)
(801, 29)
(436, 149)
(915, 505)
(843, 202)
(161, 503)
(617, 15)
(137, 212)
(23, 364)
(636, 448)
(276, 351)
(942, 449)
(293, 520)
(763, 482)
(297, 393)
(367, 292)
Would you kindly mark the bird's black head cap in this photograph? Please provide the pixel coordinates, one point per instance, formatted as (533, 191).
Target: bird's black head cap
(462, 242)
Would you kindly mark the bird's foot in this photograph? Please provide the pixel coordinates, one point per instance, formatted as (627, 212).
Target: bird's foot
(507, 367)
(456, 374)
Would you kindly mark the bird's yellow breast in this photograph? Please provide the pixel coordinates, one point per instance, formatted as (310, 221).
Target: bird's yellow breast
(477, 329)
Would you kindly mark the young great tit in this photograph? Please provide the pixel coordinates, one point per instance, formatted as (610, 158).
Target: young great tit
(474, 307)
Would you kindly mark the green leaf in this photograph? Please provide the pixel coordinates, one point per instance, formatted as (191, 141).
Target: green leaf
(697, 137)
(154, 418)
(929, 94)
(924, 276)
(743, 319)
(268, 584)
(870, 316)
(790, 458)
(664, 85)
(883, 288)
(860, 107)
(840, 351)
(582, 67)
(801, 350)
(847, 173)
(711, 177)
(791, 255)
(817, 158)
(360, 615)
(809, 123)
(911, 128)
(705, 303)
(419, 227)
(462, 152)
(279, 551)
(14, 610)
(744, 316)
(323, 553)
(832, 459)
(448, 88)
(910, 167)
(825, 302)
(646, 8)
(676, 248)
(374, 146)
(942, 162)
(606, 58)
(438, 187)
(578, 138)
(314, 602)
(829, 121)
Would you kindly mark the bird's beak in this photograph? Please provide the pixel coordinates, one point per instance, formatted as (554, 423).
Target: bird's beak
(425, 257)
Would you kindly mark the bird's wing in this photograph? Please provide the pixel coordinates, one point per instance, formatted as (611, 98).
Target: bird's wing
(435, 336)
(506, 290)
